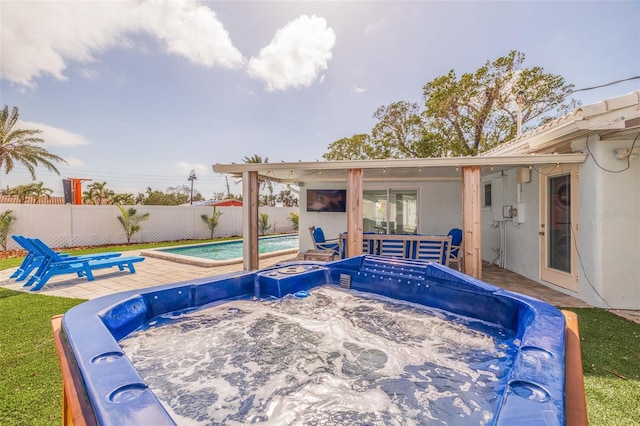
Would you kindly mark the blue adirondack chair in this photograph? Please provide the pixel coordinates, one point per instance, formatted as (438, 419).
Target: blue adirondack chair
(456, 249)
(34, 257)
(54, 264)
(321, 243)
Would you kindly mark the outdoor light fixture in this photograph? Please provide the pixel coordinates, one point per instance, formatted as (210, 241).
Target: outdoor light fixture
(192, 177)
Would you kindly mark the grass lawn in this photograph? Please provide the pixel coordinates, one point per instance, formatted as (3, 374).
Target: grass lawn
(31, 386)
(611, 363)
(30, 383)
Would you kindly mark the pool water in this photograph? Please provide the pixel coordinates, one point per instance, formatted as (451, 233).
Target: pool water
(227, 250)
(334, 357)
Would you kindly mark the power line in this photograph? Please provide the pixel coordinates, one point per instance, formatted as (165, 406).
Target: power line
(605, 85)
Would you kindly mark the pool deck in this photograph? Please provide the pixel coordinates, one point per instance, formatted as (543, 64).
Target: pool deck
(154, 271)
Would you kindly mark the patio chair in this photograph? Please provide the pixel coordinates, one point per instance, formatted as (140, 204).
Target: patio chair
(456, 247)
(321, 243)
(34, 257)
(54, 264)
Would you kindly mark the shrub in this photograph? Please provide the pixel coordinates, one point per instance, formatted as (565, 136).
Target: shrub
(130, 221)
(6, 221)
(212, 222)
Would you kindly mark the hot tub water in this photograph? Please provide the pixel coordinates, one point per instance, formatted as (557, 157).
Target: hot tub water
(335, 357)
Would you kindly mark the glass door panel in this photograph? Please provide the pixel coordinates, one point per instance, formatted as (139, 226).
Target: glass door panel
(559, 223)
(403, 212)
(390, 211)
(374, 211)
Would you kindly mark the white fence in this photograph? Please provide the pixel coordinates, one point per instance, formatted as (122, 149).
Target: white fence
(73, 226)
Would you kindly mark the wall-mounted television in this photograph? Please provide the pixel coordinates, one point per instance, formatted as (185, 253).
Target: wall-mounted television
(326, 200)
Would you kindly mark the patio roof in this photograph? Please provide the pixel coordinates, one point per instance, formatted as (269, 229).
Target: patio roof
(387, 170)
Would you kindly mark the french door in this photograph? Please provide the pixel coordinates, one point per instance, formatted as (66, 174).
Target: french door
(559, 226)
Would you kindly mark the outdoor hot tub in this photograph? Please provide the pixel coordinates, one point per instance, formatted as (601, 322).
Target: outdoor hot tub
(500, 358)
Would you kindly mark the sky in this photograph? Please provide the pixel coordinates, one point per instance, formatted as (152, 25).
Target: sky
(138, 93)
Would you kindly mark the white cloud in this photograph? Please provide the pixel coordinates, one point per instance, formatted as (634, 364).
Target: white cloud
(296, 55)
(75, 162)
(357, 90)
(375, 27)
(191, 30)
(53, 136)
(40, 38)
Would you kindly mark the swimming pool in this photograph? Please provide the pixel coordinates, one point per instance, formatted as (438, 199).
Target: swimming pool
(524, 381)
(226, 252)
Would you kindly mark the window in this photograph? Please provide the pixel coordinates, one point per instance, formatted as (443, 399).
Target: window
(390, 211)
(487, 195)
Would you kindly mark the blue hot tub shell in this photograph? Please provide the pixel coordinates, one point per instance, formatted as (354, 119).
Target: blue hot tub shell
(533, 394)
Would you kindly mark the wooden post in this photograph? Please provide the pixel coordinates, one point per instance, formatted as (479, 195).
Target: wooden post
(575, 400)
(471, 222)
(354, 212)
(76, 409)
(250, 192)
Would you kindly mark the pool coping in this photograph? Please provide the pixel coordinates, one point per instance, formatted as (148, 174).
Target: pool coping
(159, 253)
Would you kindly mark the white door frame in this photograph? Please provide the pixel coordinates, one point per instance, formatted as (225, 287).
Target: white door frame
(568, 232)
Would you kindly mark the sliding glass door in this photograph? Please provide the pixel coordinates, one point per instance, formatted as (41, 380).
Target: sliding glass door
(390, 211)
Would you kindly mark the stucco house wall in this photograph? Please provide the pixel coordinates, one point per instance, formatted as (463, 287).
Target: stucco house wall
(609, 233)
(439, 205)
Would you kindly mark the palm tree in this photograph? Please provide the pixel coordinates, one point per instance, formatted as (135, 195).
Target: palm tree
(39, 191)
(98, 194)
(20, 191)
(130, 221)
(256, 159)
(20, 146)
(263, 223)
(212, 222)
(124, 199)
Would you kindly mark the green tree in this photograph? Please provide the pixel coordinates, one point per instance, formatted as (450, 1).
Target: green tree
(97, 193)
(21, 146)
(211, 221)
(462, 116)
(256, 159)
(478, 111)
(7, 220)
(130, 221)
(21, 192)
(123, 199)
(357, 147)
(287, 198)
(40, 191)
(175, 196)
(400, 132)
(35, 190)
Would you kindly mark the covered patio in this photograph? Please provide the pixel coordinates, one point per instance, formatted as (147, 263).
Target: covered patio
(467, 171)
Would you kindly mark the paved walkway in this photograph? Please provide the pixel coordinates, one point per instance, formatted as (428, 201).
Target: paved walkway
(153, 272)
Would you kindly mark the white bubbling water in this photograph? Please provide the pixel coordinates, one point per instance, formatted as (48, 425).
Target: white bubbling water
(336, 357)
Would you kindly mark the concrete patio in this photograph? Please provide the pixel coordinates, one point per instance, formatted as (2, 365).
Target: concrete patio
(153, 272)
